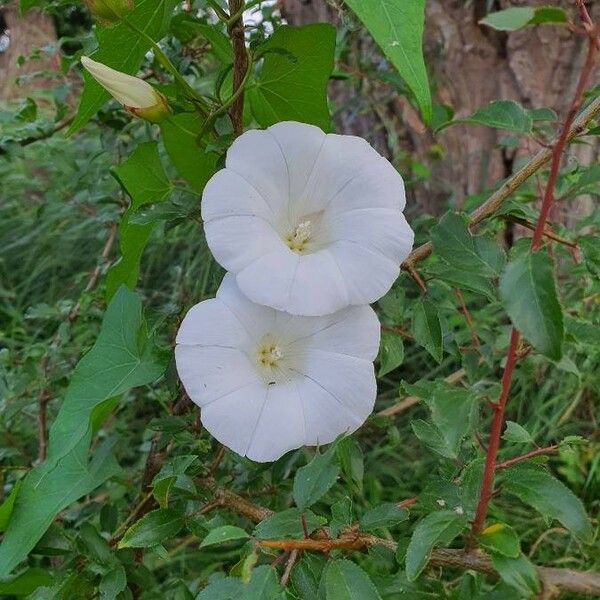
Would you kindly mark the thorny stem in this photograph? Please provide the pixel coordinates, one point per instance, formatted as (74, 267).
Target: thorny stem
(512, 355)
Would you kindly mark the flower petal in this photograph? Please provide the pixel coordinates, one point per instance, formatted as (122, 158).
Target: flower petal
(325, 417)
(376, 185)
(227, 194)
(350, 380)
(232, 419)
(237, 242)
(354, 332)
(257, 157)
(368, 274)
(269, 279)
(210, 372)
(211, 323)
(300, 145)
(280, 426)
(383, 230)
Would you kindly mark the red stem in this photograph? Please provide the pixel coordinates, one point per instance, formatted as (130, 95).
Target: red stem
(512, 356)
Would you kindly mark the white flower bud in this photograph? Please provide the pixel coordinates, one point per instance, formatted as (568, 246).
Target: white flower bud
(136, 95)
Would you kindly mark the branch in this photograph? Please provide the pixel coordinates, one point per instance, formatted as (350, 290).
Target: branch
(240, 63)
(568, 580)
(58, 126)
(517, 459)
(491, 205)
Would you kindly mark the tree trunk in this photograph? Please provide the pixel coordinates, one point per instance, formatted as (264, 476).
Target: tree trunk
(26, 34)
(469, 66)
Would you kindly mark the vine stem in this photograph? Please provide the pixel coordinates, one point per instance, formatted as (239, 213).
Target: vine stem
(557, 150)
(240, 64)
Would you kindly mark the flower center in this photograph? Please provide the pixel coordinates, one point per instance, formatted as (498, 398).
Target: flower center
(269, 354)
(297, 240)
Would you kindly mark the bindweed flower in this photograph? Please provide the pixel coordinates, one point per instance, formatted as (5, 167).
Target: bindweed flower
(309, 223)
(269, 382)
(136, 95)
(109, 12)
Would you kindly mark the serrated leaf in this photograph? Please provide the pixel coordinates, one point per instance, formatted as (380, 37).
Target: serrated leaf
(438, 528)
(143, 178)
(341, 515)
(465, 280)
(391, 352)
(385, 515)
(189, 156)
(315, 479)
(288, 524)
(292, 85)
(500, 539)
(345, 580)
(113, 582)
(590, 248)
(516, 434)
(263, 584)
(153, 529)
(426, 328)
(431, 437)
(511, 19)
(584, 332)
(123, 357)
(550, 497)
(226, 533)
(122, 49)
(307, 576)
(529, 296)
(398, 29)
(164, 479)
(499, 114)
(518, 573)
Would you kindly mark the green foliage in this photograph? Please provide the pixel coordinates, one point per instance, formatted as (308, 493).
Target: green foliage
(438, 528)
(529, 295)
(511, 19)
(292, 82)
(398, 29)
(427, 329)
(499, 114)
(288, 523)
(344, 580)
(144, 179)
(226, 533)
(316, 478)
(391, 352)
(384, 515)
(500, 538)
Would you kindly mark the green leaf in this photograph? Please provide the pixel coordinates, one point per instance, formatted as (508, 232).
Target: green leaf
(315, 479)
(551, 498)
(518, 573)
(472, 260)
(529, 296)
(398, 29)
(392, 304)
(7, 506)
(122, 49)
(351, 459)
(25, 583)
(113, 582)
(341, 515)
(292, 85)
(143, 178)
(500, 539)
(438, 528)
(189, 156)
(153, 529)
(345, 580)
(387, 514)
(226, 533)
(590, 247)
(452, 412)
(391, 352)
(511, 19)
(584, 332)
(263, 584)
(499, 114)
(166, 477)
(123, 357)
(426, 328)
(431, 437)
(307, 577)
(516, 434)
(186, 29)
(288, 524)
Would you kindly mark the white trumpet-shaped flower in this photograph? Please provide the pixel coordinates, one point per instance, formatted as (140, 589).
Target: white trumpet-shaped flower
(267, 381)
(309, 223)
(136, 95)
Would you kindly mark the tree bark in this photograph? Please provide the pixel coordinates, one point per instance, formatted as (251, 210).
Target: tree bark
(27, 34)
(469, 66)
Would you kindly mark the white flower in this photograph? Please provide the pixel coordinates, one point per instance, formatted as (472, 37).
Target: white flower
(268, 381)
(135, 94)
(310, 223)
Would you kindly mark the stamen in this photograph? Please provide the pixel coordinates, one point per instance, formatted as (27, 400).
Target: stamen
(298, 239)
(269, 355)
